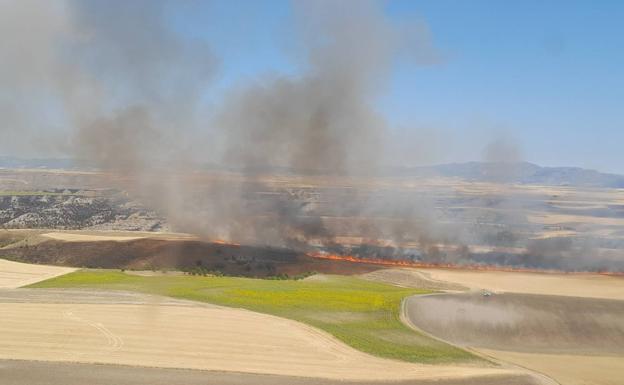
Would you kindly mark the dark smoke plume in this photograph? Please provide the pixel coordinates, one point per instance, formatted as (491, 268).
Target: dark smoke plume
(323, 120)
(147, 80)
(113, 84)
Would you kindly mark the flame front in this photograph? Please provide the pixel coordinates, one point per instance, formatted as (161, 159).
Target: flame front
(430, 265)
(222, 242)
(413, 264)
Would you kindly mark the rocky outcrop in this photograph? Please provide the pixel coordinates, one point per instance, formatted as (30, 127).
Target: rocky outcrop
(76, 210)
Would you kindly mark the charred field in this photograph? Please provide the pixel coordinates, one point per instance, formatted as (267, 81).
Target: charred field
(275, 222)
(313, 191)
(185, 255)
(286, 226)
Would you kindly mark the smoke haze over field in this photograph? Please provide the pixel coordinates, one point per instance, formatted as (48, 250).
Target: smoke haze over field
(114, 84)
(129, 90)
(90, 68)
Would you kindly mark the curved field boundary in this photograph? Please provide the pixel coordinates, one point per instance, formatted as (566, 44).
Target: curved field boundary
(362, 314)
(523, 322)
(539, 332)
(535, 376)
(15, 274)
(200, 337)
(586, 285)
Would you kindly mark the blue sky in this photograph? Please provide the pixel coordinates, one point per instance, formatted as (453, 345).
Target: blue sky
(547, 76)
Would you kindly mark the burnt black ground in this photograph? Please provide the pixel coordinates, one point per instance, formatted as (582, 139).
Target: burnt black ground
(157, 254)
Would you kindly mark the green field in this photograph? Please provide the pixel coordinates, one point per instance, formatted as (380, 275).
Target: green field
(363, 314)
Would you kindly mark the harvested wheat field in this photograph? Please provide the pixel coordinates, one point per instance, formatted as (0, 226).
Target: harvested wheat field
(411, 278)
(14, 372)
(523, 322)
(15, 274)
(575, 285)
(121, 236)
(73, 237)
(202, 337)
(569, 369)
(573, 340)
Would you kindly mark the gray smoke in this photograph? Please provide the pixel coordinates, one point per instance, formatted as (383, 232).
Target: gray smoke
(126, 89)
(148, 82)
(109, 77)
(28, 73)
(114, 85)
(323, 120)
(108, 82)
(320, 122)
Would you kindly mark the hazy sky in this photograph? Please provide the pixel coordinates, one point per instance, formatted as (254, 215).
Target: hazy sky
(544, 77)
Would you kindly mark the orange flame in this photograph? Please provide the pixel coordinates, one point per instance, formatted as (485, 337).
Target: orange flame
(404, 263)
(222, 242)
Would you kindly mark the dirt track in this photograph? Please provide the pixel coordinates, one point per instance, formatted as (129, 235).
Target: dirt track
(180, 335)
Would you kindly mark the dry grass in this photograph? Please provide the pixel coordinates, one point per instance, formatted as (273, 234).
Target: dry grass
(555, 219)
(374, 308)
(411, 278)
(207, 338)
(575, 285)
(99, 236)
(15, 274)
(569, 369)
(73, 237)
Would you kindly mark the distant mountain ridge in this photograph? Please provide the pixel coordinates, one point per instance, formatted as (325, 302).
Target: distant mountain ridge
(43, 163)
(507, 172)
(518, 172)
